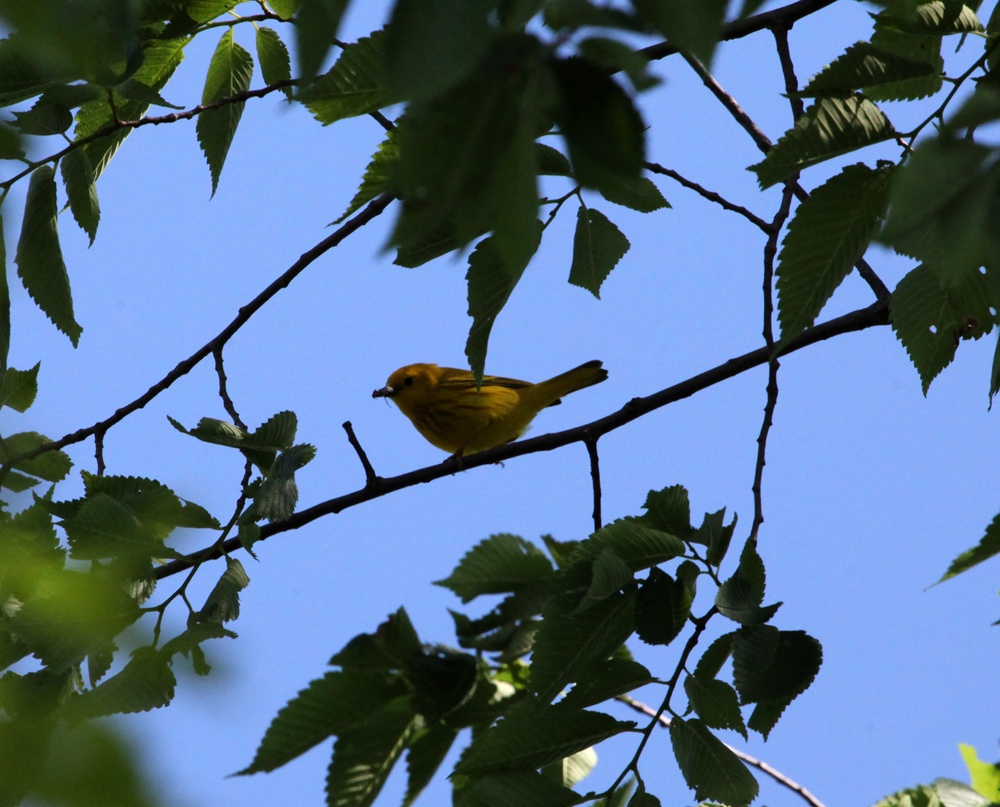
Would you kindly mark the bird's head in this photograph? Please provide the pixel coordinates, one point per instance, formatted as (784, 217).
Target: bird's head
(410, 382)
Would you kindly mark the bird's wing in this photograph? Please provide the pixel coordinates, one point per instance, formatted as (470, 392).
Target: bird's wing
(497, 395)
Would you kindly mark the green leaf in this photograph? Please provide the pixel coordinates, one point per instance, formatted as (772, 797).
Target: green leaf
(18, 388)
(424, 756)
(391, 647)
(528, 737)
(161, 59)
(598, 245)
(499, 564)
(609, 574)
(52, 466)
(936, 17)
(363, 756)
(20, 75)
(864, 66)
(329, 705)
(156, 505)
(4, 304)
(607, 680)
(942, 207)
(432, 245)
(443, 680)
(639, 194)
(603, 130)
(958, 794)
(985, 777)
(284, 8)
(229, 74)
(521, 788)
(765, 715)
(710, 768)
(830, 232)
(930, 320)
(145, 683)
(669, 510)
(995, 373)
(988, 546)
(189, 643)
(355, 85)
(39, 257)
(491, 280)
(716, 535)
(715, 702)
(551, 162)
(71, 616)
(920, 796)
(315, 31)
(433, 44)
(615, 56)
(44, 118)
(376, 178)
(829, 128)
(569, 647)
(208, 10)
(773, 665)
(715, 656)
(223, 603)
(18, 483)
(636, 544)
(925, 49)
(105, 527)
(272, 54)
(572, 769)
(695, 27)
(467, 158)
(740, 597)
(662, 608)
(78, 175)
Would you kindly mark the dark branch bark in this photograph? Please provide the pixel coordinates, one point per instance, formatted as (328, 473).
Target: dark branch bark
(875, 314)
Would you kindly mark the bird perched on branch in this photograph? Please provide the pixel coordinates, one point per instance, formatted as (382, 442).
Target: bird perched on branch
(447, 409)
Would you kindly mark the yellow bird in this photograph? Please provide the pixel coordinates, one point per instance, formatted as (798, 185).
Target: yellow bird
(450, 413)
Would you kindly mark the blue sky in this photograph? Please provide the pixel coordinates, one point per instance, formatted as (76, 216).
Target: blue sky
(870, 488)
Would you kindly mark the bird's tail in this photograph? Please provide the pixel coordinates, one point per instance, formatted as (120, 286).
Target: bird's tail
(548, 393)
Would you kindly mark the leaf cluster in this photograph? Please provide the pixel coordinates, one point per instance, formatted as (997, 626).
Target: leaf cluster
(533, 726)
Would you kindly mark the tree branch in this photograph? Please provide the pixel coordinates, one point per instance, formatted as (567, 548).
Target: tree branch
(873, 315)
(595, 476)
(712, 196)
(775, 774)
(373, 209)
(370, 476)
(764, 144)
(784, 17)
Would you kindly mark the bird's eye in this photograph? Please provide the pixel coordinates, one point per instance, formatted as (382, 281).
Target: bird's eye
(408, 381)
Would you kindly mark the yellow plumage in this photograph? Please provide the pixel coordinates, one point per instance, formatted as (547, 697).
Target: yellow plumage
(446, 408)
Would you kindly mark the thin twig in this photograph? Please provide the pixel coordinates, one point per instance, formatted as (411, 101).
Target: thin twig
(764, 144)
(595, 475)
(692, 642)
(775, 774)
(227, 402)
(780, 33)
(373, 209)
(784, 16)
(712, 196)
(99, 452)
(874, 315)
(118, 125)
(741, 117)
(370, 476)
(770, 250)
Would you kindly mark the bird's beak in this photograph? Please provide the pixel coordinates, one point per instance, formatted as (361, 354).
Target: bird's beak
(385, 392)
